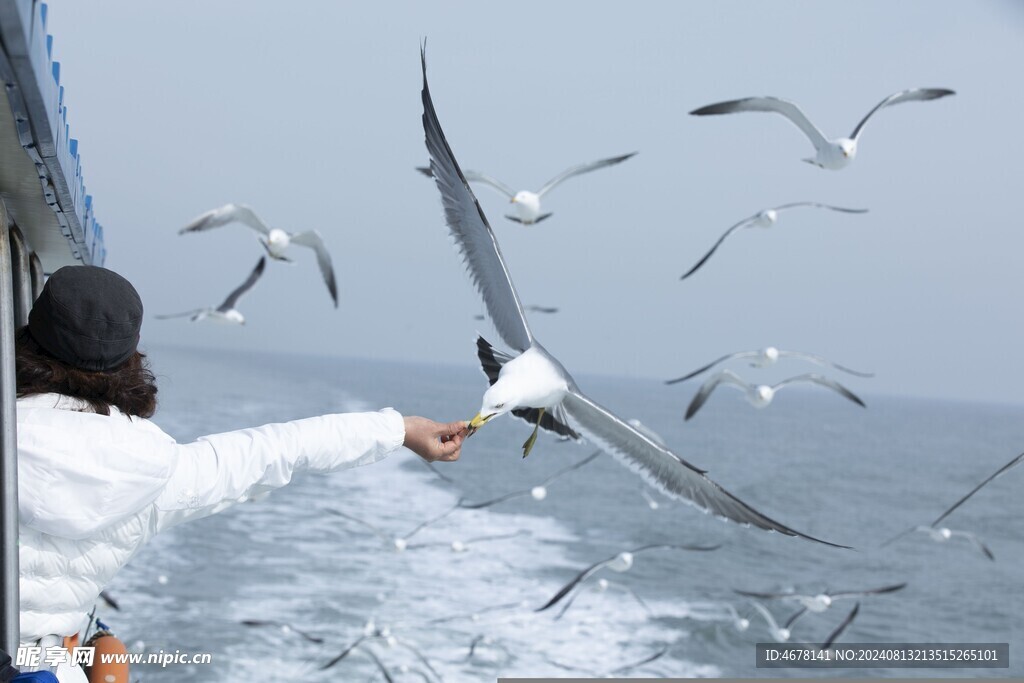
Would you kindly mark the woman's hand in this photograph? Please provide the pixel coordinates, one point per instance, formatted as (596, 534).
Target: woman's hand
(434, 440)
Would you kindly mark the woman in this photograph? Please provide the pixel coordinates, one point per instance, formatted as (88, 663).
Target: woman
(97, 479)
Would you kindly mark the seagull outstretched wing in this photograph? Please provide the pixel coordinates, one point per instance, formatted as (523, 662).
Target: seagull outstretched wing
(1013, 463)
(769, 104)
(229, 213)
(232, 300)
(472, 232)
(911, 95)
(580, 169)
(663, 469)
(315, 241)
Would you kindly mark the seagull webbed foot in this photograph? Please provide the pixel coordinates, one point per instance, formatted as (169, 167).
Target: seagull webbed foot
(528, 445)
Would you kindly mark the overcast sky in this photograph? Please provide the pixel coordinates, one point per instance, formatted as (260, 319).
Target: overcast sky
(310, 113)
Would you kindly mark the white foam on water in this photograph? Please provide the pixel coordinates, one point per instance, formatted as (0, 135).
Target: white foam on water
(338, 576)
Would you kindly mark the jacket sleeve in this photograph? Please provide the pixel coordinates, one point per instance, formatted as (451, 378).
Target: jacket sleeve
(220, 470)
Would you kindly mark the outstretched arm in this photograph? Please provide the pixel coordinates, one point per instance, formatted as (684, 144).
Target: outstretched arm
(219, 470)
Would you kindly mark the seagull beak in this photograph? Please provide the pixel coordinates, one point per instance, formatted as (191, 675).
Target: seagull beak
(512, 201)
(478, 422)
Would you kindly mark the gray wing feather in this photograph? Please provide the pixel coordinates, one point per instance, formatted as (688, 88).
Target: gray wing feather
(315, 241)
(825, 382)
(664, 469)
(234, 296)
(717, 244)
(819, 206)
(838, 631)
(871, 591)
(472, 233)
(1016, 461)
(977, 543)
(477, 177)
(581, 168)
(821, 360)
(359, 521)
(769, 104)
(702, 395)
(912, 95)
(582, 576)
(704, 368)
(229, 213)
(586, 573)
(792, 619)
(168, 316)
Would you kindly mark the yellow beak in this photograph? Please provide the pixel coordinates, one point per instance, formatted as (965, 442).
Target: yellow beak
(512, 201)
(478, 422)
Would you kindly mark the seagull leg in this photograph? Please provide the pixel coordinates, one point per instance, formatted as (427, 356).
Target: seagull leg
(528, 446)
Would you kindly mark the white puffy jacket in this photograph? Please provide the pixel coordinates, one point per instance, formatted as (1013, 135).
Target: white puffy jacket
(93, 488)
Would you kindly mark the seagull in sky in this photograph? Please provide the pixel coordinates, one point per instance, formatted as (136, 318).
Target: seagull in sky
(528, 203)
(274, 240)
(766, 357)
(832, 154)
(761, 395)
(534, 381)
(941, 534)
(763, 219)
(226, 312)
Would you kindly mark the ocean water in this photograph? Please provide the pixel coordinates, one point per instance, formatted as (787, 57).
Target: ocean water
(812, 461)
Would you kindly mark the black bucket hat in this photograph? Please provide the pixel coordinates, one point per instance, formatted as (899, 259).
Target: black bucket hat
(88, 317)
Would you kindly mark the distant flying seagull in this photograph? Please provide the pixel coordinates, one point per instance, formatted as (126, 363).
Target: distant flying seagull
(274, 240)
(620, 562)
(461, 546)
(285, 628)
(528, 203)
(778, 633)
(819, 602)
(399, 543)
(761, 395)
(942, 534)
(767, 356)
(226, 312)
(602, 586)
(739, 623)
(535, 381)
(763, 219)
(831, 154)
(370, 633)
(538, 492)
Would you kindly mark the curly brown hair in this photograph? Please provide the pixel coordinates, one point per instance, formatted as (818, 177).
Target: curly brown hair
(130, 387)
